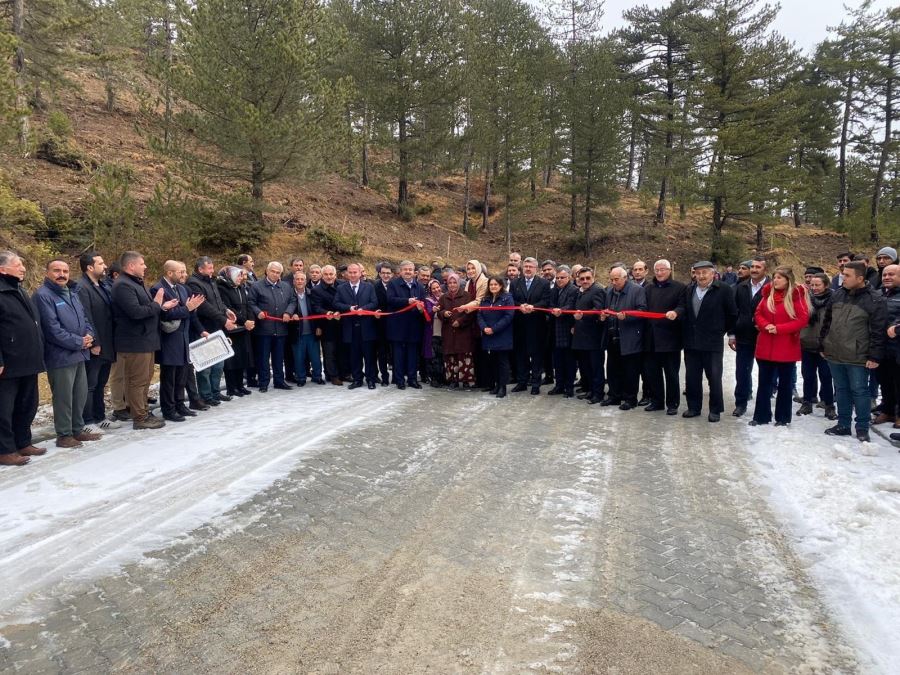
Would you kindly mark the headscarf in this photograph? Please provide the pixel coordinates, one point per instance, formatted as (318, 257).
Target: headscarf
(478, 266)
(233, 274)
(450, 293)
(431, 292)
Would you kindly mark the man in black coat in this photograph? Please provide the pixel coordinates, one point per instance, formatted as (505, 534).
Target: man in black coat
(323, 297)
(213, 315)
(588, 336)
(405, 330)
(662, 341)
(530, 291)
(97, 303)
(21, 359)
(136, 316)
(708, 314)
(358, 331)
(273, 297)
(173, 355)
(743, 341)
(563, 297)
(382, 344)
(624, 339)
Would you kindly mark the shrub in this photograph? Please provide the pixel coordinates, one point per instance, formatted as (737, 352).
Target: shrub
(234, 225)
(727, 248)
(334, 243)
(19, 213)
(59, 124)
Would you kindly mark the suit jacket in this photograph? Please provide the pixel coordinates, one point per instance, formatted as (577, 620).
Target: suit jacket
(173, 347)
(136, 316)
(323, 297)
(589, 330)
(745, 331)
(406, 327)
(563, 298)
(530, 329)
(629, 330)
(663, 335)
(364, 299)
(704, 331)
(275, 300)
(381, 294)
(97, 303)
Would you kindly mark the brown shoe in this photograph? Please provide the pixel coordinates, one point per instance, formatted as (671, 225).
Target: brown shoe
(337, 381)
(882, 418)
(149, 422)
(13, 459)
(897, 424)
(32, 451)
(67, 442)
(87, 436)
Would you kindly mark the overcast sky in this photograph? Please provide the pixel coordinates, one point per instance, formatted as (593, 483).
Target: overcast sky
(805, 22)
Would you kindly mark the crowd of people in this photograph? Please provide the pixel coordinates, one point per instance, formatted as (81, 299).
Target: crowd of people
(532, 325)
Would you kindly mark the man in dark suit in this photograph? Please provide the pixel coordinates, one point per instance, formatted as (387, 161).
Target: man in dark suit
(405, 330)
(173, 355)
(743, 340)
(97, 303)
(359, 332)
(272, 297)
(530, 291)
(588, 336)
(662, 340)
(708, 313)
(624, 339)
(382, 344)
(323, 297)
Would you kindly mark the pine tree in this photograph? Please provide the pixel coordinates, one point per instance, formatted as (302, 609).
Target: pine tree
(886, 82)
(254, 103)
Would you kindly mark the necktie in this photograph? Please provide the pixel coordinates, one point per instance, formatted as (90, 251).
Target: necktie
(354, 290)
(528, 285)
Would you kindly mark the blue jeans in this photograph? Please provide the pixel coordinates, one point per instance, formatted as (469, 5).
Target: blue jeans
(743, 374)
(851, 389)
(270, 346)
(209, 380)
(307, 347)
(816, 372)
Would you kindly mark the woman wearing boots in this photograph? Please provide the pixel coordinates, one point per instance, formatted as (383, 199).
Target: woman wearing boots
(497, 334)
(457, 336)
(813, 366)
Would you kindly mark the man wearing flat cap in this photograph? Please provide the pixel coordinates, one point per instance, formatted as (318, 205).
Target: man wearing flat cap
(708, 314)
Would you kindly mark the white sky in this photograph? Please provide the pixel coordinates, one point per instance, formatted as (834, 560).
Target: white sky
(805, 22)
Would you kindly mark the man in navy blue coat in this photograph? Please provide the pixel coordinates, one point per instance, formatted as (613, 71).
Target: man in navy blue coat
(405, 330)
(358, 332)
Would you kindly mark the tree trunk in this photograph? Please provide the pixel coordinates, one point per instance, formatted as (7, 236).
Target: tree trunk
(670, 120)
(403, 185)
(885, 146)
(110, 96)
(632, 148)
(348, 119)
(167, 89)
(532, 178)
(487, 197)
(842, 161)
(588, 183)
(760, 245)
(256, 177)
(18, 24)
(467, 193)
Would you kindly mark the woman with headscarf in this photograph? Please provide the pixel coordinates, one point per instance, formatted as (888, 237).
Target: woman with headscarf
(497, 334)
(457, 336)
(234, 294)
(476, 286)
(432, 350)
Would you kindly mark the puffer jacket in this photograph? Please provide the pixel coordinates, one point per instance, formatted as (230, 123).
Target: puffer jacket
(854, 327)
(809, 336)
(784, 345)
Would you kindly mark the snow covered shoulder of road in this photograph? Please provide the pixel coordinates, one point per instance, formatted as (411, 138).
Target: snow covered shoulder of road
(840, 502)
(73, 515)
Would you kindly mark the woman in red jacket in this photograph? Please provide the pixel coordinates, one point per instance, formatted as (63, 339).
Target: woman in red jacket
(781, 314)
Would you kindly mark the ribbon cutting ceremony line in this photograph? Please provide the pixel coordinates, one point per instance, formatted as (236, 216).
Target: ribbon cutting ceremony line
(636, 313)
(355, 312)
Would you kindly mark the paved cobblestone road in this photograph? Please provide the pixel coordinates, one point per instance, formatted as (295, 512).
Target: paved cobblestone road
(458, 533)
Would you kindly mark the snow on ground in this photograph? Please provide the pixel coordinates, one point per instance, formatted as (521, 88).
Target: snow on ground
(87, 511)
(840, 502)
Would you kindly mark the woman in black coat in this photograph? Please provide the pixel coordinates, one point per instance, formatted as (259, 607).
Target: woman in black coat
(233, 289)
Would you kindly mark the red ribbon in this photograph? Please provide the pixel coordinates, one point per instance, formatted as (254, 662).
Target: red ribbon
(636, 313)
(356, 312)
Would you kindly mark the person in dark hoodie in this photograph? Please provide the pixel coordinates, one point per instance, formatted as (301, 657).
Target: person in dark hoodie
(854, 332)
(888, 370)
(813, 366)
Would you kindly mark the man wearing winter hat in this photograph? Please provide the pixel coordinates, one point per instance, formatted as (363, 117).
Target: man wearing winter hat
(885, 256)
(810, 273)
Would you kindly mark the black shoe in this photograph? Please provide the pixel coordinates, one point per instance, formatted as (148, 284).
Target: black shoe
(594, 400)
(671, 411)
(414, 385)
(625, 405)
(246, 392)
(610, 401)
(691, 413)
(756, 423)
(355, 385)
(501, 393)
(282, 385)
(151, 400)
(569, 394)
(519, 387)
(400, 385)
(263, 388)
(895, 437)
(173, 417)
(535, 391)
(862, 436)
(643, 402)
(838, 430)
(653, 407)
(185, 412)
(739, 410)
(585, 396)
(782, 424)
(371, 385)
(236, 392)
(301, 383)
(223, 398)
(198, 405)
(556, 391)
(806, 408)
(318, 380)
(547, 380)
(211, 401)
(713, 417)
(453, 385)
(252, 383)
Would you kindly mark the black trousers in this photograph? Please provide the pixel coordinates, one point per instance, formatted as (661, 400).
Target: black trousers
(172, 382)
(528, 366)
(624, 373)
(590, 361)
(889, 378)
(498, 363)
(564, 367)
(767, 372)
(97, 371)
(663, 370)
(191, 383)
(696, 364)
(330, 359)
(362, 351)
(646, 378)
(385, 357)
(18, 406)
